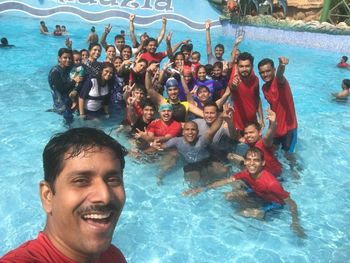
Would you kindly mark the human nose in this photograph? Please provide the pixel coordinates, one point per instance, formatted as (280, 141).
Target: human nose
(101, 192)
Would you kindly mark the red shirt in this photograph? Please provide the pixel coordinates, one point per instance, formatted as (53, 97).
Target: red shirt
(271, 162)
(153, 57)
(342, 65)
(245, 100)
(265, 186)
(160, 129)
(41, 250)
(280, 98)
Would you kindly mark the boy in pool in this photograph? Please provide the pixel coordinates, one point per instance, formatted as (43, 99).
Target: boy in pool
(77, 70)
(345, 93)
(343, 62)
(262, 184)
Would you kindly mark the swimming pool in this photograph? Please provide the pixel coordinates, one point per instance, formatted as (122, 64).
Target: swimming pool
(157, 223)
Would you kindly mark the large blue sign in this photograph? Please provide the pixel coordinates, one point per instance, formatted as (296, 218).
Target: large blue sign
(191, 13)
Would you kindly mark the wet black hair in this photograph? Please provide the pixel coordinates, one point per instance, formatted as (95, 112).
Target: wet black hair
(151, 39)
(99, 75)
(345, 58)
(245, 56)
(346, 82)
(63, 50)
(71, 143)
(4, 41)
(202, 87)
(119, 36)
(148, 103)
(254, 123)
(209, 69)
(211, 104)
(254, 150)
(266, 61)
(186, 47)
(197, 53)
(218, 64)
(220, 46)
(94, 44)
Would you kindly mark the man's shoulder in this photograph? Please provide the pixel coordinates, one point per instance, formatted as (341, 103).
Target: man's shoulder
(112, 254)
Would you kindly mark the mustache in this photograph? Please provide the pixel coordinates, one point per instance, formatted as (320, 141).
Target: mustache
(97, 208)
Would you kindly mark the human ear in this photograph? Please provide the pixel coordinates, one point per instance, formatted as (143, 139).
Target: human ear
(46, 195)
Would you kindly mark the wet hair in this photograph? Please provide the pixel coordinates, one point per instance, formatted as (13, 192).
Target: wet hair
(346, 82)
(148, 103)
(255, 124)
(93, 29)
(197, 53)
(220, 46)
(4, 41)
(63, 50)
(202, 87)
(186, 47)
(218, 64)
(143, 60)
(208, 69)
(42, 22)
(119, 36)
(211, 104)
(151, 39)
(82, 50)
(108, 46)
(245, 56)
(200, 66)
(58, 26)
(192, 122)
(72, 143)
(140, 87)
(254, 150)
(99, 75)
(266, 61)
(92, 45)
(345, 58)
(75, 52)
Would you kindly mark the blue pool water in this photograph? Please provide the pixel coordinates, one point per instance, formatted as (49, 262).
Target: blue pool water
(157, 223)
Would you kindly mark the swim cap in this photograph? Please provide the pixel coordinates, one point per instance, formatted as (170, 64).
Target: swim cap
(165, 106)
(171, 82)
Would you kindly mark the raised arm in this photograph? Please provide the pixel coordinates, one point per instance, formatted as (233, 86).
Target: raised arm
(132, 31)
(108, 29)
(268, 137)
(220, 102)
(283, 61)
(261, 115)
(162, 31)
(154, 95)
(189, 97)
(208, 38)
(169, 50)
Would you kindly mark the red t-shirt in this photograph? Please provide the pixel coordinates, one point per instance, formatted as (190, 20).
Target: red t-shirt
(41, 250)
(280, 98)
(342, 65)
(271, 162)
(245, 100)
(265, 186)
(153, 57)
(160, 129)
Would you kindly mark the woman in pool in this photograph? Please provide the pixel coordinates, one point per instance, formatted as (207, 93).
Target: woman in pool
(95, 95)
(202, 80)
(110, 53)
(92, 65)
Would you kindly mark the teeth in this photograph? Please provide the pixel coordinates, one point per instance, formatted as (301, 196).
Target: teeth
(97, 216)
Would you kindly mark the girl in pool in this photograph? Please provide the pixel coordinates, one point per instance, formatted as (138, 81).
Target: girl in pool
(92, 65)
(203, 80)
(110, 53)
(95, 95)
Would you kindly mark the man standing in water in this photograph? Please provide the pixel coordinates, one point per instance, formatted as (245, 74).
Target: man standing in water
(83, 196)
(262, 184)
(278, 94)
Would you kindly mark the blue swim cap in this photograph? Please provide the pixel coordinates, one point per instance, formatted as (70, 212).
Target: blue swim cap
(165, 106)
(171, 82)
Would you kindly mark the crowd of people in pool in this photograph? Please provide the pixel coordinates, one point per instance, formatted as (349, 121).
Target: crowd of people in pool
(194, 119)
